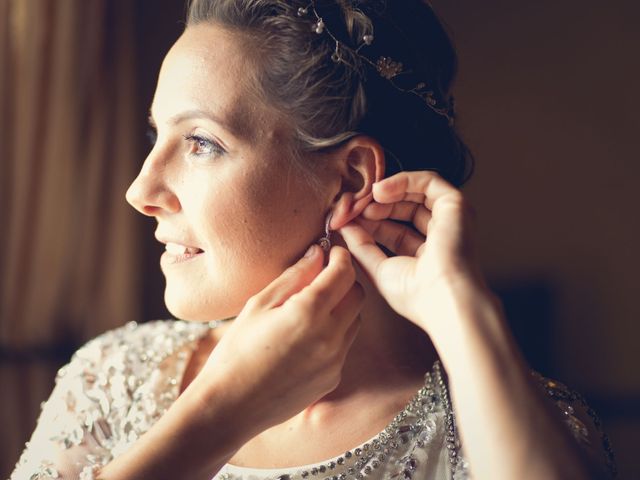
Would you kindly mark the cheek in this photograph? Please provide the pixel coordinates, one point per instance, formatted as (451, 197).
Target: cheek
(283, 214)
(279, 218)
(266, 217)
(252, 226)
(233, 212)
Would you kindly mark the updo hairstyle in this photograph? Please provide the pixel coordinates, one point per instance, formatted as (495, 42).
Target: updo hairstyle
(330, 102)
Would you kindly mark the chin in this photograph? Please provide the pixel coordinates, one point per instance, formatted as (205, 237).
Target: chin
(198, 306)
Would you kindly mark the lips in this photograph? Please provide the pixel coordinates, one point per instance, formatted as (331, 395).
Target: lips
(178, 249)
(177, 253)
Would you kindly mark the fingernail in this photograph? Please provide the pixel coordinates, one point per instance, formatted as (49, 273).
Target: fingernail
(311, 251)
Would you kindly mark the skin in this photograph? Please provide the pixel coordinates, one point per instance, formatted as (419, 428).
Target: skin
(239, 204)
(314, 343)
(233, 207)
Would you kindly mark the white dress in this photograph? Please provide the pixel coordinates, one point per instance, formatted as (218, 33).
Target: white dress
(120, 383)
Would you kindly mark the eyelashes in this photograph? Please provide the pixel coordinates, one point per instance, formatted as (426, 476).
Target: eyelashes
(152, 136)
(202, 146)
(198, 144)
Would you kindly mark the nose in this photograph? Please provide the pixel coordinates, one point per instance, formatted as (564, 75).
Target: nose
(150, 193)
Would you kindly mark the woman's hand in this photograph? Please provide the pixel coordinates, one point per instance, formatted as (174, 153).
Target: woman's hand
(283, 352)
(286, 349)
(435, 255)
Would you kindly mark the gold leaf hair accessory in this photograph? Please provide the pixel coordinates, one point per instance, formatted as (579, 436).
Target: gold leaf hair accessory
(386, 66)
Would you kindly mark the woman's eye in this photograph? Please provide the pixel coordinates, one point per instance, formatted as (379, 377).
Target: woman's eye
(203, 146)
(152, 136)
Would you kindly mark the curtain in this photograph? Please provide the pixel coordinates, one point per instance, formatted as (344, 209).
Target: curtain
(68, 150)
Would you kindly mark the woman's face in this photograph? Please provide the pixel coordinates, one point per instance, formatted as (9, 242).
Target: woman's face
(231, 205)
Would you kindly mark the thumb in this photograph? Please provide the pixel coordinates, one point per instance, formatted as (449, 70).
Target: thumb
(364, 248)
(292, 280)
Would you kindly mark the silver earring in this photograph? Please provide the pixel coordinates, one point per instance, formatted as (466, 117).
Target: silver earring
(325, 241)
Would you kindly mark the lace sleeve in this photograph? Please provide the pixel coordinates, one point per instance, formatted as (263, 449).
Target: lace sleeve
(582, 421)
(113, 390)
(70, 439)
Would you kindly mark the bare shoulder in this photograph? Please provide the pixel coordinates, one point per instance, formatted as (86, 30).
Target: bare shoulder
(583, 422)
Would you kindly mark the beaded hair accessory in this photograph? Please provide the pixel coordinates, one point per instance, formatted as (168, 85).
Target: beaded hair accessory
(386, 66)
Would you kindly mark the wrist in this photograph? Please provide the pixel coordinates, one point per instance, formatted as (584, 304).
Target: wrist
(217, 404)
(472, 320)
(459, 297)
(199, 433)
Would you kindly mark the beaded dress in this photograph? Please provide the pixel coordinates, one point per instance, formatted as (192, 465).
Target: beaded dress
(120, 383)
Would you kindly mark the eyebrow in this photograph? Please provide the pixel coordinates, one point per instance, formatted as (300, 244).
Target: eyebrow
(231, 127)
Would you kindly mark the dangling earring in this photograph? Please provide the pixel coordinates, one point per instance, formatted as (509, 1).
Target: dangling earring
(325, 241)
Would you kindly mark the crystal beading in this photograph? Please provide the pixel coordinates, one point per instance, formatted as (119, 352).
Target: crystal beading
(119, 384)
(414, 421)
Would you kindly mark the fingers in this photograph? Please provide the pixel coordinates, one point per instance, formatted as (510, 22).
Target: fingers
(405, 185)
(363, 247)
(404, 211)
(307, 282)
(398, 238)
(291, 281)
(332, 283)
(439, 198)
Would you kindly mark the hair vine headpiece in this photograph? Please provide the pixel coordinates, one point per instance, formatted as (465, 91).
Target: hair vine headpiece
(386, 66)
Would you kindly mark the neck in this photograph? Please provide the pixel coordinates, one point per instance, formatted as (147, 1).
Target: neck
(389, 355)
(389, 352)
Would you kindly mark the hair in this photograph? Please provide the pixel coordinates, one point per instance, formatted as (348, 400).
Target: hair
(330, 102)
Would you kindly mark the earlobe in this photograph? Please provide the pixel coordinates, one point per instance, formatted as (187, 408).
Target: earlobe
(363, 165)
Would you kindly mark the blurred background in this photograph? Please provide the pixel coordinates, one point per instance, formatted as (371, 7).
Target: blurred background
(548, 100)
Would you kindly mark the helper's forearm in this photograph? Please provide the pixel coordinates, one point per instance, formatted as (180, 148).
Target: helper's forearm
(192, 441)
(507, 427)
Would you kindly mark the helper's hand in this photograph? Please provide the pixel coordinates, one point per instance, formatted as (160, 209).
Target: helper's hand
(282, 353)
(286, 349)
(435, 264)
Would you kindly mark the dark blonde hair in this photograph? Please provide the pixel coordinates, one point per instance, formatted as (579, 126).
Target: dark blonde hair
(328, 102)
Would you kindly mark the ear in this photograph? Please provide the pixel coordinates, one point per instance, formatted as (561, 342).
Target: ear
(361, 164)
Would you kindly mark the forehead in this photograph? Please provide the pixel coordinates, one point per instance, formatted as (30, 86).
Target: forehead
(208, 69)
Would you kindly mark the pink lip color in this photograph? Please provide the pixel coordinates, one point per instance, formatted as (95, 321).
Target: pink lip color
(170, 259)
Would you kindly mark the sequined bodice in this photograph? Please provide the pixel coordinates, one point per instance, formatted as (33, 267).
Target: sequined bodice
(420, 442)
(119, 384)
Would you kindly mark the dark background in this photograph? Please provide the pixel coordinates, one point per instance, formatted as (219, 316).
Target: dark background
(548, 101)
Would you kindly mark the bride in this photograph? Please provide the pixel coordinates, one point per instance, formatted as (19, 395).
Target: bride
(320, 255)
